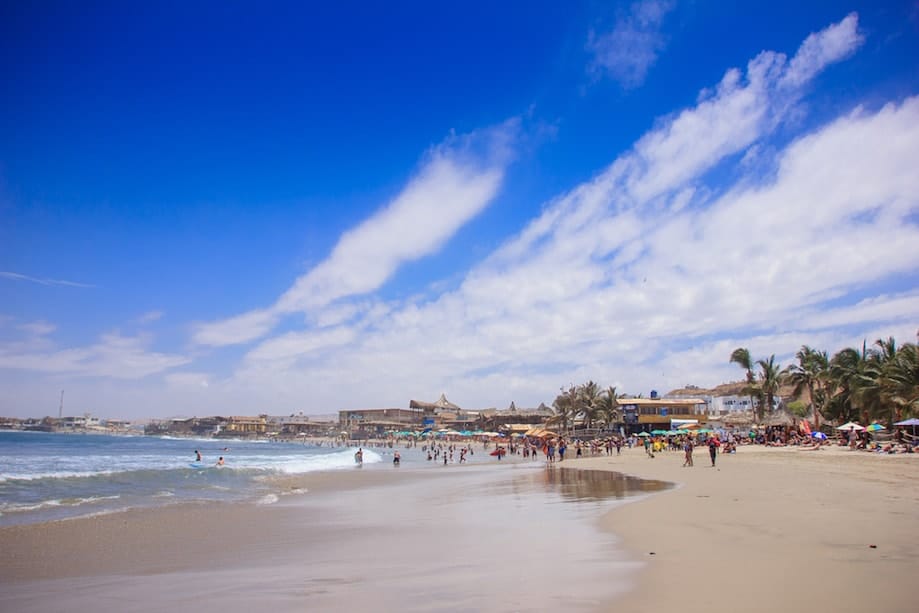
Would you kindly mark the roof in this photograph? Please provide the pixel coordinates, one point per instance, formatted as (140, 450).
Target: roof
(441, 403)
(660, 402)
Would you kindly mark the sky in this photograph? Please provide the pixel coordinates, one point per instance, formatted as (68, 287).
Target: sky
(212, 208)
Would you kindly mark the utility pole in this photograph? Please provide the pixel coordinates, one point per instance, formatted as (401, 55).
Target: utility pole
(60, 411)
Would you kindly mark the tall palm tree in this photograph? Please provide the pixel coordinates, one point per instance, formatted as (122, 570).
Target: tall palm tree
(588, 402)
(848, 371)
(903, 381)
(741, 357)
(608, 407)
(770, 378)
(810, 373)
(565, 407)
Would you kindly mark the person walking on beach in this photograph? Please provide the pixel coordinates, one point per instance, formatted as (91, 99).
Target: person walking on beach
(687, 448)
(396, 458)
(713, 445)
(359, 456)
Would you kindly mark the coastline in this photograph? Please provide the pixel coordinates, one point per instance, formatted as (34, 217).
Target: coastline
(770, 529)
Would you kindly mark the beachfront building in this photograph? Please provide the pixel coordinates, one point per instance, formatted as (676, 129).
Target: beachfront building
(646, 414)
(301, 425)
(521, 419)
(368, 423)
(244, 426)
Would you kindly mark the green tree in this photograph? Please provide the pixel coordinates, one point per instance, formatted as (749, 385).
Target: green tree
(848, 371)
(810, 373)
(608, 407)
(565, 407)
(770, 378)
(902, 378)
(588, 403)
(741, 357)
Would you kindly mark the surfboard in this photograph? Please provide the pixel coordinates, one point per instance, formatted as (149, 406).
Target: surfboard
(196, 465)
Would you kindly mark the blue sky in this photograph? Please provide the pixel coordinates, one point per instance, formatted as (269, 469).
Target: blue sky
(212, 209)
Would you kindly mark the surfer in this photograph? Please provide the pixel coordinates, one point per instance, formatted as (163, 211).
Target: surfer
(197, 456)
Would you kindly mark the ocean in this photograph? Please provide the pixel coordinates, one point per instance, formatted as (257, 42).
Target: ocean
(49, 476)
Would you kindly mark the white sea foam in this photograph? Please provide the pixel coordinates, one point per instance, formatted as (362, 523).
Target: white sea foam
(46, 504)
(267, 499)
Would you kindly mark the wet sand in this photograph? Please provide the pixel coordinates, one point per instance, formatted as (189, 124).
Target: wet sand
(769, 529)
(509, 537)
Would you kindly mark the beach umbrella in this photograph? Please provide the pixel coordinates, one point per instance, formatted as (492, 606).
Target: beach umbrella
(912, 421)
(819, 435)
(875, 428)
(643, 434)
(658, 432)
(850, 426)
(687, 427)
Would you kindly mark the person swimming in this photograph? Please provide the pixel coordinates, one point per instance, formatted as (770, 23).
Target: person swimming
(219, 461)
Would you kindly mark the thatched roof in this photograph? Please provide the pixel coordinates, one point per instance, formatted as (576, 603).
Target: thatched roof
(441, 403)
(780, 418)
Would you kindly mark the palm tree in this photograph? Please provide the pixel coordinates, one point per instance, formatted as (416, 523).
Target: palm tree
(565, 407)
(848, 372)
(588, 402)
(608, 407)
(810, 373)
(741, 357)
(903, 381)
(770, 378)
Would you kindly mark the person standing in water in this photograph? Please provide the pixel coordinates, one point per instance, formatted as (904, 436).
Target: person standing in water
(219, 461)
(359, 456)
(197, 456)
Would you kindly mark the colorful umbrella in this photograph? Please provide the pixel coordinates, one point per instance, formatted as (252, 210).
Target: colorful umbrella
(851, 425)
(875, 428)
(819, 435)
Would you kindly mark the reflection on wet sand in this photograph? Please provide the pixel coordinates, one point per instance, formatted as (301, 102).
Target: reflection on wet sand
(577, 485)
(594, 485)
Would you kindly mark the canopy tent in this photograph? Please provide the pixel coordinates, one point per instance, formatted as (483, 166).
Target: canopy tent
(851, 425)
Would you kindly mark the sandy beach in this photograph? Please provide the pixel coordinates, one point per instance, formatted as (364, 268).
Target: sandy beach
(767, 529)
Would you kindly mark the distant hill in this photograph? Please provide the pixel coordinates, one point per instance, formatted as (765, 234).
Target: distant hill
(733, 388)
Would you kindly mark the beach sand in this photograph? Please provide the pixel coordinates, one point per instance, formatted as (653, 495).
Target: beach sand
(769, 529)
(772, 529)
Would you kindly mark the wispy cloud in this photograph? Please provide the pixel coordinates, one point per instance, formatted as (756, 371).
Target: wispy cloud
(15, 276)
(113, 356)
(454, 183)
(628, 51)
(650, 273)
(37, 328)
(150, 317)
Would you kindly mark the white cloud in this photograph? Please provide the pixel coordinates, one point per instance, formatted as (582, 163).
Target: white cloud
(456, 181)
(648, 275)
(113, 356)
(628, 51)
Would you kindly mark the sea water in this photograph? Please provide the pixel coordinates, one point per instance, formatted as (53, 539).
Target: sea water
(47, 476)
